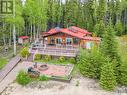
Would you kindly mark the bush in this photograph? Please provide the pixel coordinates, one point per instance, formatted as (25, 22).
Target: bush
(23, 78)
(38, 57)
(90, 63)
(24, 52)
(107, 78)
(123, 75)
(43, 78)
(72, 60)
(47, 58)
(26, 44)
(61, 59)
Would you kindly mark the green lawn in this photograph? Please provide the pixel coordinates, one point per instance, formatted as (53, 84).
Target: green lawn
(3, 62)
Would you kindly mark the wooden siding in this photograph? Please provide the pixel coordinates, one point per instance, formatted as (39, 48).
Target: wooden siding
(63, 36)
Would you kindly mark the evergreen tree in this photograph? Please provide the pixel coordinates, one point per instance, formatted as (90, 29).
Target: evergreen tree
(107, 78)
(101, 12)
(99, 29)
(109, 44)
(109, 48)
(90, 63)
(123, 76)
(119, 28)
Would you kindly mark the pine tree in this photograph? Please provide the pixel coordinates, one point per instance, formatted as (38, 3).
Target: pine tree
(107, 79)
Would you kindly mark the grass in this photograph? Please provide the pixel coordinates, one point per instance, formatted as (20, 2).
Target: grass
(3, 62)
(123, 47)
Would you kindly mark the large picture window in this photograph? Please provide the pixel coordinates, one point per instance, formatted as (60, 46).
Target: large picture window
(68, 41)
(59, 40)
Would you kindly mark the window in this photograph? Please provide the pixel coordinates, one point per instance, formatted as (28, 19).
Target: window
(76, 41)
(59, 40)
(89, 45)
(52, 40)
(68, 41)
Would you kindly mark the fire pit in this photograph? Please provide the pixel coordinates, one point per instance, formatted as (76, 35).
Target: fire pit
(43, 67)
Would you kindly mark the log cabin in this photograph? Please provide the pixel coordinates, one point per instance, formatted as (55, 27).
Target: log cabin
(72, 36)
(64, 42)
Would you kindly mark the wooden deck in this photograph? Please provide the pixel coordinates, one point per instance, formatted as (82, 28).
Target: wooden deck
(55, 51)
(14, 61)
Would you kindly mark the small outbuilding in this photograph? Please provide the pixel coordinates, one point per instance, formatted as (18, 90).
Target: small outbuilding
(23, 40)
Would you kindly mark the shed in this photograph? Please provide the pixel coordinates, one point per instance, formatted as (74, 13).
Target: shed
(23, 39)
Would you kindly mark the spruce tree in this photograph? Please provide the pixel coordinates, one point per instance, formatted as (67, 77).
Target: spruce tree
(109, 48)
(99, 29)
(123, 76)
(119, 28)
(107, 77)
(109, 44)
(101, 12)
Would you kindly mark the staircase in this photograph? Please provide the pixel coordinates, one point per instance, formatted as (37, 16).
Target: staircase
(30, 58)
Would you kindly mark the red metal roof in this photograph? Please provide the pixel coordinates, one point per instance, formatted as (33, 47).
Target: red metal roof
(92, 38)
(80, 30)
(73, 31)
(24, 37)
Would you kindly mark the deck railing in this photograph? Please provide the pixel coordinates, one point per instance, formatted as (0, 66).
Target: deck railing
(54, 50)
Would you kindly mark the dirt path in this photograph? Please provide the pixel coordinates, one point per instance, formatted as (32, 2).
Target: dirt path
(86, 87)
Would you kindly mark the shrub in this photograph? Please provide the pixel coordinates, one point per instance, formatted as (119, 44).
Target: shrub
(90, 63)
(24, 52)
(123, 75)
(23, 78)
(107, 78)
(72, 60)
(47, 58)
(38, 57)
(61, 59)
(26, 44)
(43, 78)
